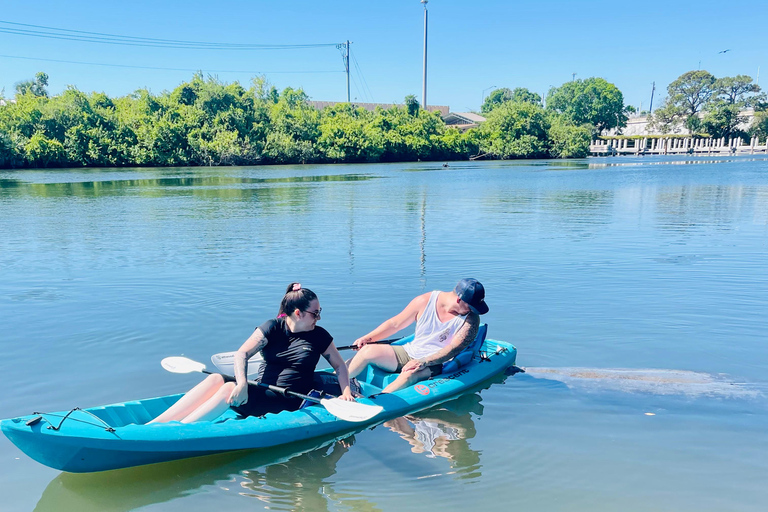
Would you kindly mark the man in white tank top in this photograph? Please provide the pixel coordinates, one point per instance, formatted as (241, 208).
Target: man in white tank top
(446, 322)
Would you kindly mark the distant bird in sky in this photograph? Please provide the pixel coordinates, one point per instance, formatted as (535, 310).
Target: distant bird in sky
(725, 51)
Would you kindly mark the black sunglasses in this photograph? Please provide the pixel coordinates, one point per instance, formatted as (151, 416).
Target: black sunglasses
(315, 314)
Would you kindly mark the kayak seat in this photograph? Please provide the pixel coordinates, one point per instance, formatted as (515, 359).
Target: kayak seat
(136, 412)
(466, 355)
(120, 415)
(373, 380)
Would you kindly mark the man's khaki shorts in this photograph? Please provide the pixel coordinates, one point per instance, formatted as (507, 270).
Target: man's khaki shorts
(403, 357)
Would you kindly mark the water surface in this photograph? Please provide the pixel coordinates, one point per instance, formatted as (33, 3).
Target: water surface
(634, 288)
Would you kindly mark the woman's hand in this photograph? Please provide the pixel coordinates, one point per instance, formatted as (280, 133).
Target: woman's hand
(361, 342)
(239, 395)
(347, 395)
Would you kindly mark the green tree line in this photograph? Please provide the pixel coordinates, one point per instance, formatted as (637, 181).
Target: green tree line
(702, 103)
(519, 125)
(208, 122)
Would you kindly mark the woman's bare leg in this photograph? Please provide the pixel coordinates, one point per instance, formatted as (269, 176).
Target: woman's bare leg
(193, 399)
(213, 407)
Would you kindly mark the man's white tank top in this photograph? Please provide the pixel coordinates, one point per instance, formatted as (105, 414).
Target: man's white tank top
(432, 334)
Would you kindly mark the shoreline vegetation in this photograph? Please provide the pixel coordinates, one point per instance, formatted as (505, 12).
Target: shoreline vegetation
(208, 122)
(205, 122)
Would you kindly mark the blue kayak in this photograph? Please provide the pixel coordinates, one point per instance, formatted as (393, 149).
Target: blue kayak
(116, 436)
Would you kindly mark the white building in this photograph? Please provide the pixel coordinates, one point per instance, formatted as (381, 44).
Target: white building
(638, 125)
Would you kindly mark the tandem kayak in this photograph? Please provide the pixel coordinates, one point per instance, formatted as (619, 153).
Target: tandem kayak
(117, 436)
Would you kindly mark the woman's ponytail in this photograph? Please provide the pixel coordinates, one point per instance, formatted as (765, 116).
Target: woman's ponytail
(295, 298)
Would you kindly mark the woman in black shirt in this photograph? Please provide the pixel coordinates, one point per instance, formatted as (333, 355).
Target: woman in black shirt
(291, 345)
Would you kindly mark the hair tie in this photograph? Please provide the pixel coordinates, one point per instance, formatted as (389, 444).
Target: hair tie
(296, 287)
(282, 315)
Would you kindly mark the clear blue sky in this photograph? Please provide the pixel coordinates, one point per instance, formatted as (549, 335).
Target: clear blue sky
(472, 45)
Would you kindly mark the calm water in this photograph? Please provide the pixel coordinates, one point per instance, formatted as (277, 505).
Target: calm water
(636, 291)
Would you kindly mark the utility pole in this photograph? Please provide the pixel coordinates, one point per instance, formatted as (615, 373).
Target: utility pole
(424, 75)
(650, 109)
(573, 77)
(347, 65)
(344, 48)
(483, 99)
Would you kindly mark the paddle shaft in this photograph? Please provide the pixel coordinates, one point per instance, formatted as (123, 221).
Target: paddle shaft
(380, 342)
(276, 389)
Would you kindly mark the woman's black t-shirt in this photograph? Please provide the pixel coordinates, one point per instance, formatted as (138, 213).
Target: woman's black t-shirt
(291, 357)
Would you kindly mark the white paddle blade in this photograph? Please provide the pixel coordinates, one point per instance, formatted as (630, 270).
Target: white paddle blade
(225, 362)
(350, 411)
(178, 364)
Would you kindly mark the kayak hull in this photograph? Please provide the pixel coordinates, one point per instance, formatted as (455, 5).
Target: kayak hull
(116, 436)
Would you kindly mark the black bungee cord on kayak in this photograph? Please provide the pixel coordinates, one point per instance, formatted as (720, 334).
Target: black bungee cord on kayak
(51, 426)
(483, 357)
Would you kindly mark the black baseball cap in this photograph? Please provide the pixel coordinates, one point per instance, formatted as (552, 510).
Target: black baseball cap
(472, 292)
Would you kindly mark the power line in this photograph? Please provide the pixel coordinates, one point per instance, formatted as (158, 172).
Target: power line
(359, 93)
(133, 38)
(364, 81)
(360, 88)
(165, 69)
(120, 40)
(183, 46)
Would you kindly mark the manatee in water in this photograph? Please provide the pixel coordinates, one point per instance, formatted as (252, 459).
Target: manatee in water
(653, 381)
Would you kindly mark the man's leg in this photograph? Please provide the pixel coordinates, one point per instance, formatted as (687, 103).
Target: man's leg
(381, 356)
(406, 379)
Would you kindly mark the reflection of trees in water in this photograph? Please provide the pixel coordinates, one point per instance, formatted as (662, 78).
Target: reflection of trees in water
(241, 214)
(444, 431)
(205, 187)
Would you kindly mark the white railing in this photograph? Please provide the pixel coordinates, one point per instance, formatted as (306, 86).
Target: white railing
(677, 145)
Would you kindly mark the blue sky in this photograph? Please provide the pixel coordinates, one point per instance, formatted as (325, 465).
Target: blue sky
(473, 46)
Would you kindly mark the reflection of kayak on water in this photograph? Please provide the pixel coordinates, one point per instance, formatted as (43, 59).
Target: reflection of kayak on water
(429, 433)
(443, 431)
(262, 473)
(115, 436)
(132, 488)
(302, 481)
(425, 436)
